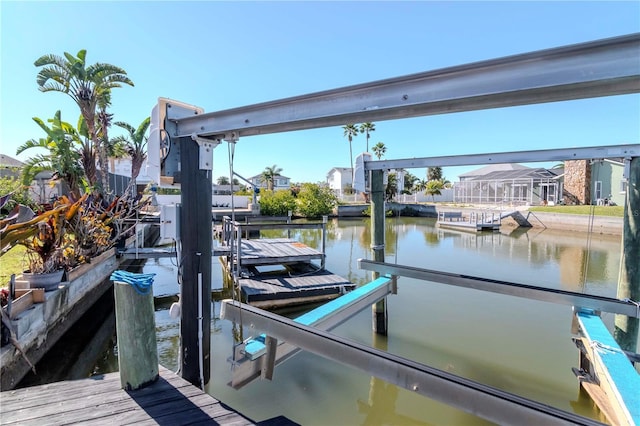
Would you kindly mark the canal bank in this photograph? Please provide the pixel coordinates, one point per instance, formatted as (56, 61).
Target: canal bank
(608, 225)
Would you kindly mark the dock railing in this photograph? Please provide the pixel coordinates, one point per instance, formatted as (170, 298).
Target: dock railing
(233, 231)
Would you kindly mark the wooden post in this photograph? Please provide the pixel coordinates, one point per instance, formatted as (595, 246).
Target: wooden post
(196, 236)
(626, 328)
(136, 331)
(379, 310)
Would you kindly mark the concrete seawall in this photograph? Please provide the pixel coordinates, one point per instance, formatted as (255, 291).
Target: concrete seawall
(576, 222)
(570, 222)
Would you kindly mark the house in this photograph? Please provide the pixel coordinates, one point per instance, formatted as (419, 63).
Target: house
(9, 166)
(340, 180)
(279, 182)
(510, 184)
(594, 182)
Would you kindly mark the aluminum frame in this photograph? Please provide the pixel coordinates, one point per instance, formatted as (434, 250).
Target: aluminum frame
(570, 298)
(598, 68)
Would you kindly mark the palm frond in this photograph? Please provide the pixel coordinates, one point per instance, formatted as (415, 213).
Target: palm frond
(50, 59)
(142, 129)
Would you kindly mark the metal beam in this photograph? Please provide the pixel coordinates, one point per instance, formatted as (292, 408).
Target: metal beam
(472, 397)
(598, 303)
(325, 317)
(598, 68)
(561, 154)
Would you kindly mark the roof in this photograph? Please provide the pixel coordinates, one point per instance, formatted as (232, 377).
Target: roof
(6, 161)
(340, 169)
(526, 173)
(494, 168)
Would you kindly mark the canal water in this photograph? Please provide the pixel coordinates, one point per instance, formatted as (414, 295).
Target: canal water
(510, 343)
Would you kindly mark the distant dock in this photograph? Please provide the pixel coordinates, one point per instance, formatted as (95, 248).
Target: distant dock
(472, 221)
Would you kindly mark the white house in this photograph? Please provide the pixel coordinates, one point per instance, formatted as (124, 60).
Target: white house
(279, 182)
(340, 178)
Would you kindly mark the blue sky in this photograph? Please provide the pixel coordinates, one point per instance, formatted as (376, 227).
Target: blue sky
(220, 55)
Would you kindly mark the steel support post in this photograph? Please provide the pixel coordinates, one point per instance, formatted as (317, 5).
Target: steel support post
(379, 310)
(195, 220)
(626, 328)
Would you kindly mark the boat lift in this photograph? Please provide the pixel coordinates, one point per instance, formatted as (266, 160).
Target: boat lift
(600, 68)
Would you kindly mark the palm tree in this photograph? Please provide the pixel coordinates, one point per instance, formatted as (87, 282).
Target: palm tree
(409, 181)
(367, 128)
(89, 86)
(135, 144)
(269, 174)
(420, 185)
(379, 150)
(350, 131)
(434, 173)
(433, 188)
(62, 157)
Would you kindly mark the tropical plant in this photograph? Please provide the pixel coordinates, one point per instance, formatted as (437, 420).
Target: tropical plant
(223, 180)
(434, 173)
(409, 182)
(420, 185)
(269, 174)
(433, 188)
(45, 236)
(62, 157)
(379, 150)
(13, 193)
(392, 187)
(134, 143)
(89, 86)
(314, 200)
(276, 203)
(350, 131)
(367, 128)
(446, 183)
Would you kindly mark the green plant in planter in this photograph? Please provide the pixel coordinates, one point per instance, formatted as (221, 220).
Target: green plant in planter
(46, 249)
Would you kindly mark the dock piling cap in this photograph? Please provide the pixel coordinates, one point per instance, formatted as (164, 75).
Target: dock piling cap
(140, 282)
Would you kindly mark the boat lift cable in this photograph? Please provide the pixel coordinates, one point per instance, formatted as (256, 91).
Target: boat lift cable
(592, 212)
(233, 263)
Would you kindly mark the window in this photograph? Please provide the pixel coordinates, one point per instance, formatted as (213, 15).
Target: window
(598, 190)
(623, 186)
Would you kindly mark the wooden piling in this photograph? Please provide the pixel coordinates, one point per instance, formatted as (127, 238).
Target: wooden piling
(626, 328)
(196, 237)
(136, 331)
(379, 310)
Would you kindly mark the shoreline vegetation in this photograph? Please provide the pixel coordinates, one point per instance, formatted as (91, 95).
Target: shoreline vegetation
(12, 261)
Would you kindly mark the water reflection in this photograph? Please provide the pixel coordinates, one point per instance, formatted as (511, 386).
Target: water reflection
(511, 343)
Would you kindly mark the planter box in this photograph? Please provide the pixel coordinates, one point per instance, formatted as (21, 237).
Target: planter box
(23, 301)
(82, 269)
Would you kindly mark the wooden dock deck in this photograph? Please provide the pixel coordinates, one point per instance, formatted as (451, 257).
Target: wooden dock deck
(293, 284)
(171, 400)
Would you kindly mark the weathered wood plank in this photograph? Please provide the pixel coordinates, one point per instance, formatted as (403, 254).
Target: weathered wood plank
(617, 378)
(100, 400)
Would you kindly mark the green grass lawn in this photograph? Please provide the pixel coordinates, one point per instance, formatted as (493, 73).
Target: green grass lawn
(617, 211)
(11, 263)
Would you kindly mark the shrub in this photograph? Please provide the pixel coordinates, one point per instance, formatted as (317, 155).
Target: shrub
(276, 203)
(315, 201)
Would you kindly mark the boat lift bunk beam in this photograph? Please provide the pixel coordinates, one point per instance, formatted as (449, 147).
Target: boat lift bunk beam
(599, 68)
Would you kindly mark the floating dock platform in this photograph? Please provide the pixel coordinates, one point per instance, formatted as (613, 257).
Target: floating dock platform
(278, 272)
(473, 221)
